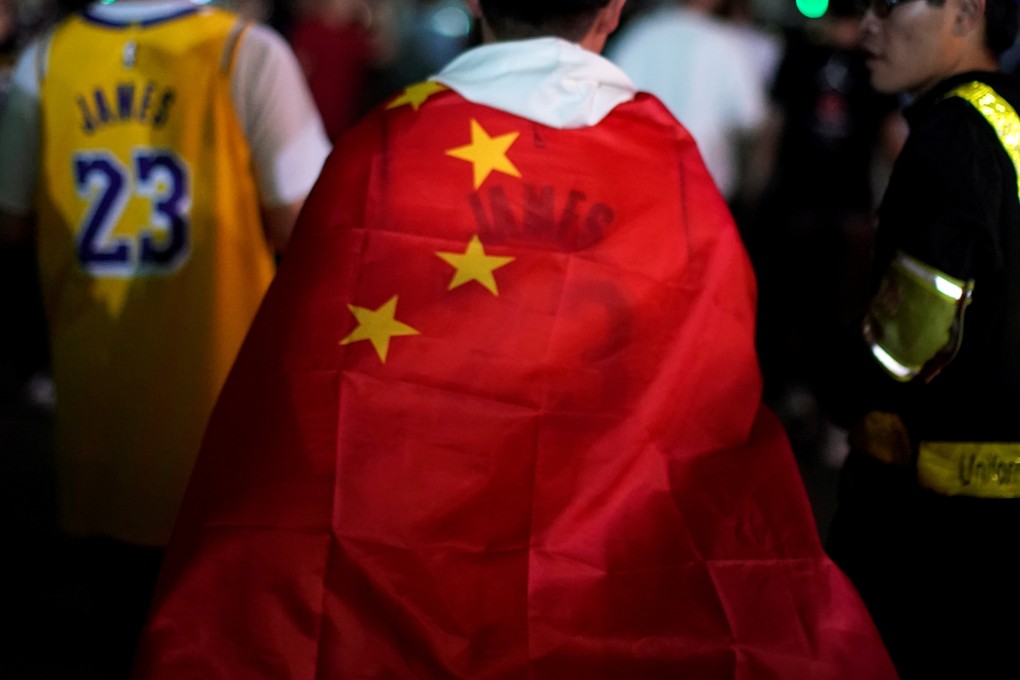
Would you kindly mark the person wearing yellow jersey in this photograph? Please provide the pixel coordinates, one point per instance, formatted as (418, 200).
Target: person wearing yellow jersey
(158, 151)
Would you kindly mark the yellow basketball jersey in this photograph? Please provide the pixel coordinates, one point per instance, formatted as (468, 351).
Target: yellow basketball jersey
(152, 257)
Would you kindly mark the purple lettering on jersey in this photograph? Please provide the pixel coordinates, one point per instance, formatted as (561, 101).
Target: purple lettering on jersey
(88, 122)
(126, 101)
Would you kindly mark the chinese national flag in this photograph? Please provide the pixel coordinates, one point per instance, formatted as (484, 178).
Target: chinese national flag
(499, 417)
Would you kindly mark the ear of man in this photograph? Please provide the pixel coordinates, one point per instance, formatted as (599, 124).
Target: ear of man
(969, 18)
(609, 17)
(605, 23)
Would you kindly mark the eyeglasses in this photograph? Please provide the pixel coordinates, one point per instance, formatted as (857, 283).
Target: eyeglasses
(881, 8)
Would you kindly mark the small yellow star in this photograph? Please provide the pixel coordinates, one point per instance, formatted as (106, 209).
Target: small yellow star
(378, 326)
(487, 153)
(474, 265)
(416, 94)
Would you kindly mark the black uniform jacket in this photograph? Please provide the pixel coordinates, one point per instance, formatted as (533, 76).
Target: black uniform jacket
(952, 203)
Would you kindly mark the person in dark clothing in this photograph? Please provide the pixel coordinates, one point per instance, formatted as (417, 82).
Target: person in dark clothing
(811, 233)
(930, 495)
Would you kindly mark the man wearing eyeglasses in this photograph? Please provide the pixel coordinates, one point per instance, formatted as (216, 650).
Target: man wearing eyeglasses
(930, 496)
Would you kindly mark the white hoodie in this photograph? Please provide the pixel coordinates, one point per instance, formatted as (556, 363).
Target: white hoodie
(548, 80)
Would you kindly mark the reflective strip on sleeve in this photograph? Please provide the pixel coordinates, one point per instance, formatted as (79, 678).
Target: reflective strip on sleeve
(975, 469)
(999, 114)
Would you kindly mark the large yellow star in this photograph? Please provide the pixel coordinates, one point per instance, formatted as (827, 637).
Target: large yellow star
(487, 153)
(378, 326)
(474, 265)
(416, 94)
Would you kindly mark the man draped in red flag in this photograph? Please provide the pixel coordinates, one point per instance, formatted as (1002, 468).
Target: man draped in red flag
(499, 415)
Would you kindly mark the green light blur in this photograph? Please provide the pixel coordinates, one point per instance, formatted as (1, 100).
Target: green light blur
(813, 9)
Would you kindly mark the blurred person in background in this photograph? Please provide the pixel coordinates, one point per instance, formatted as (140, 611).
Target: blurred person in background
(764, 43)
(157, 154)
(499, 414)
(340, 44)
(809, 231)
(930, 495)
(701, 69)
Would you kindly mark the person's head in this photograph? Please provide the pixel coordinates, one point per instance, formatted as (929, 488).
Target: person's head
(588, 22)
(914, 44)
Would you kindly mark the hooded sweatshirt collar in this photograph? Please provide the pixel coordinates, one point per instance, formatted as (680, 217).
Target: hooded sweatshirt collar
(548, 80)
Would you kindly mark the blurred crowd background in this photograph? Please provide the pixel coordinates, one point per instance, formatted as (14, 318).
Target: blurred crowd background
(801, 150)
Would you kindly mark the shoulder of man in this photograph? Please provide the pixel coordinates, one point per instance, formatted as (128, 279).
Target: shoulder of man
(953, 126)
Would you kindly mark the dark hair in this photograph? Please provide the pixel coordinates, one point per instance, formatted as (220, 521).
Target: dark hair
(518, 19)
(1001, 24)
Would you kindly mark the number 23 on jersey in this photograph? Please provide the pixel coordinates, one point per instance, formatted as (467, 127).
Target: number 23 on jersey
(157, 247)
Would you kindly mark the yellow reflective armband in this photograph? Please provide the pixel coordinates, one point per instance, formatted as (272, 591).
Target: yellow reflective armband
(915, 323)
(976, 469)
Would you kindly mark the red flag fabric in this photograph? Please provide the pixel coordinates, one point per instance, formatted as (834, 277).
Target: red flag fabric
(499, 417)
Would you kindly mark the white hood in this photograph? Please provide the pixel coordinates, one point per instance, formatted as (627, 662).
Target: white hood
(547, 80)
